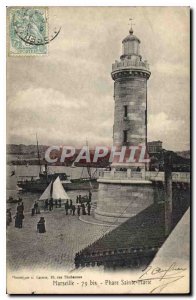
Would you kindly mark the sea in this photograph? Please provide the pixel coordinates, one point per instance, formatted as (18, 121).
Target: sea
(33, 170)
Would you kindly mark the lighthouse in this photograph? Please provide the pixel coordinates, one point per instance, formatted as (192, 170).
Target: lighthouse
(124, 191)
(130, 76)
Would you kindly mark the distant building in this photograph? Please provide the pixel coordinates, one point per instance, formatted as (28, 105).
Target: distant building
(154, 147)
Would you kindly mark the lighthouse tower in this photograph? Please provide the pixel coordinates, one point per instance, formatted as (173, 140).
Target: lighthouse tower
(130, 76)
(124, 191)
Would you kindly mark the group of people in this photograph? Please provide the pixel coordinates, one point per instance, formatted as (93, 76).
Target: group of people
(49, 204)
(19, 217)
(70, 208)
(79, 199)
(83, 206)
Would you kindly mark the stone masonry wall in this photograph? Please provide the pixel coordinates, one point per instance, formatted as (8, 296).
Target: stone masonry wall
(117, 202)
(130, 92)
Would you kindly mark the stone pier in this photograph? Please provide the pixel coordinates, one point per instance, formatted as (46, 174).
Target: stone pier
(122, 195)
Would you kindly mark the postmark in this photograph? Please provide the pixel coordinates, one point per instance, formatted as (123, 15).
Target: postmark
(28, 31)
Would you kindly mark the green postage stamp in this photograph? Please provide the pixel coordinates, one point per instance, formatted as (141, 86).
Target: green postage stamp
(28, 31)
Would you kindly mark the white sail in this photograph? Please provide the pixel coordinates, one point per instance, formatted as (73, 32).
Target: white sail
(46, 193)
(57, 190)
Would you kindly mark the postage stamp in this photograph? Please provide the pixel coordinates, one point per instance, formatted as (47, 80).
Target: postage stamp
(28, 31)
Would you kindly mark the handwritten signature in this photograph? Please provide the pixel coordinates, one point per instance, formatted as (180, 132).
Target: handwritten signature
(166, 276)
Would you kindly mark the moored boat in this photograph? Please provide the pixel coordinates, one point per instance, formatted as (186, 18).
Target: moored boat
(12, 200)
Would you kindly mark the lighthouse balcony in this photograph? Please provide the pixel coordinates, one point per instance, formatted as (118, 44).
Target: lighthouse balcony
(127, 63)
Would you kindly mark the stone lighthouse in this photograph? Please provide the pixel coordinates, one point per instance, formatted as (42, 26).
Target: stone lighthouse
(124, 191)
(130, 76)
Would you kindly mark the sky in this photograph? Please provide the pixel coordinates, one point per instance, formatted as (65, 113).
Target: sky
(66, 96)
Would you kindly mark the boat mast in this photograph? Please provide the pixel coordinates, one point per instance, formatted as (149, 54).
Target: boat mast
(51, 190)
(88, 168)
(89, 172)
(38, 155)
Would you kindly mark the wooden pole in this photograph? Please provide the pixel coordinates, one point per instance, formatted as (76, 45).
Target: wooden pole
(38, 155)
(168, 192)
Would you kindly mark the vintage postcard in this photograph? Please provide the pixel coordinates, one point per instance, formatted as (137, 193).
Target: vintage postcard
(98, 150)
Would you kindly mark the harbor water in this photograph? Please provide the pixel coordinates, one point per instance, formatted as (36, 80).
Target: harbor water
(33, 170)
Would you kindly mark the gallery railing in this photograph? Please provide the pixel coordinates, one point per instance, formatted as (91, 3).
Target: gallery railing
(148, 175)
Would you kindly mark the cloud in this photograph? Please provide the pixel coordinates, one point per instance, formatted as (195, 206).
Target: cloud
(58, 119)
(171, 69)
(171, 132)
(67, 96)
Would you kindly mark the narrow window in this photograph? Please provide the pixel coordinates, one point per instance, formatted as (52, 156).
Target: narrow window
(125, 111)
(125, 136)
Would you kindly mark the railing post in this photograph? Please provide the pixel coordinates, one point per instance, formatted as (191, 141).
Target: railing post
(112, 172)
(143, 173)
(129, 173)
(168, 192)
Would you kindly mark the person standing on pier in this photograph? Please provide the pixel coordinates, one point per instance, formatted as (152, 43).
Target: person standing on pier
(41, 225)
(90, 196)
(73, 210)
(18, 220)
(51, 204)
(46, 205)
(16, 217)
(66, 207)
(21, 217)
(89, 208)
(20, 210)
(22, 207)
(83, 209)
(8, 216)
(78, 210)
(36, 207)
(32, 211)
(70, 206)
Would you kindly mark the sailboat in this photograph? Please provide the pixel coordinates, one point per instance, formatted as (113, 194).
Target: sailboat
(55, 191)
(83, 183)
